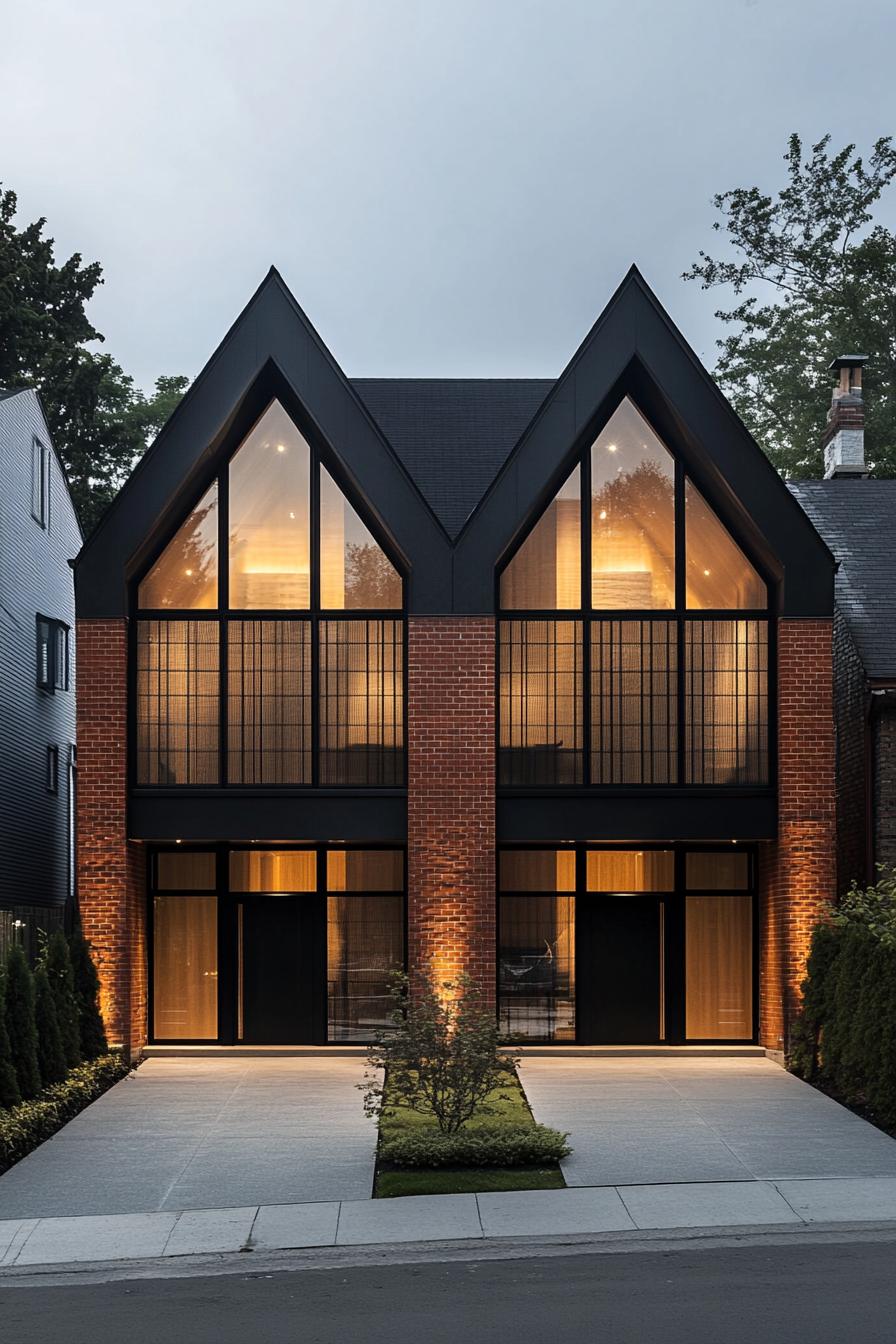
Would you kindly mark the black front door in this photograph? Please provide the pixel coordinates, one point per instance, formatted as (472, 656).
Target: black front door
(282, 986)
(618, 969)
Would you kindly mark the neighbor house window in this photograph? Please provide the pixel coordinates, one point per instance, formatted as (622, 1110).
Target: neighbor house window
(52, 655)
(52, 775)
(40, 483)
(633, 643)
(295, 673)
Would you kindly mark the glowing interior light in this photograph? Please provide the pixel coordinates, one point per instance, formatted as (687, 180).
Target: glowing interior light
(189, 573)
(281, 447)
(706, 573)
(603, 514)
(291, 514)
(611, 447)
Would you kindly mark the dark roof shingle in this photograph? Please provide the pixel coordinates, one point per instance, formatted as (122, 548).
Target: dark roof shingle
(452, 434)
(857, 519)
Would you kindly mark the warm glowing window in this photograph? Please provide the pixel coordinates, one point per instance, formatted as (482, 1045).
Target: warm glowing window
(546, 572)
(298, 555)
(631, 685)
(632, 515)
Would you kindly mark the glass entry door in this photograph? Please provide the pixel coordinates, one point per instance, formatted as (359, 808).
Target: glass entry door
(281, 981)
(619, 953)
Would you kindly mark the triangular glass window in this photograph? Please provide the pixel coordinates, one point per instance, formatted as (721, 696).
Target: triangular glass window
(355, 572)
(185, 576)
(632, 515)
(270, 527)
(719, 575)
(546, 572)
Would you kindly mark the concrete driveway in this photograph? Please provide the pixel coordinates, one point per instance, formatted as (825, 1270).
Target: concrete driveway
(205, 1133)
(664, 1120)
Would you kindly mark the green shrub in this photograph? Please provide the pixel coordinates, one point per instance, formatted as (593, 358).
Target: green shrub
(20, 1023)
(27, 1125)
(441, 1056)
(488, 1146)
(9, 1087)
(846, 1035)
(50, 1055)
(87, 994)
(58, 965)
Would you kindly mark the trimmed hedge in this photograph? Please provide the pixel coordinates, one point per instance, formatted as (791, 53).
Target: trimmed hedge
(486, 1146)
(27, 1125)
(845, 1038)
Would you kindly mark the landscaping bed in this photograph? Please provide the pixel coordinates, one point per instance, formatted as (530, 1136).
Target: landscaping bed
(503, 1149)
(24, 1127)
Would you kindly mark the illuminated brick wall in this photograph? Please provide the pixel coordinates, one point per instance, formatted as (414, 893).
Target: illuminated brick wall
(798, 871)
(451, 797)
(111, 889)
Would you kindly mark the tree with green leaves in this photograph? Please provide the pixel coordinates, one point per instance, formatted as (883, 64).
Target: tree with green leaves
(57, 963)
(100, 422)
(87, 996)
(813, 276)
(20, 1022)
(9, 1087)
(50, 1054)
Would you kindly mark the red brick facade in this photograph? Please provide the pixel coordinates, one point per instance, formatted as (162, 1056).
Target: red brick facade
(451, 797)
(798, 872)
(111, 889)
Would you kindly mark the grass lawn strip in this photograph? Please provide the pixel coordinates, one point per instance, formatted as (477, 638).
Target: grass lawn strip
(509, 1107)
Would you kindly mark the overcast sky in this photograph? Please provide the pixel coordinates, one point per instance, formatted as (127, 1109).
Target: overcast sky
(449, 187)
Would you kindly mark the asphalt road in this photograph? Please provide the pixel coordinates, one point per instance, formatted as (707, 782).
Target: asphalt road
(801, 1294)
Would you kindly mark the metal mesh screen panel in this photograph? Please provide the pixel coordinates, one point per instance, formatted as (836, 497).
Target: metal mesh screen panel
(269, 702)
(541, 712)
(177, 702)
(634, 707)
(361, 702)
(726, 702)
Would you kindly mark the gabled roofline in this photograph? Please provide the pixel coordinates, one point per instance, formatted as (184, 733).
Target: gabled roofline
(635, 329)
(9, 394)
(271, 330)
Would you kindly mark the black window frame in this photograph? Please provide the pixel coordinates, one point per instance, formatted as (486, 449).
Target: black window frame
(679, 615)
(40, 483)
(314, 615)
(51, 654)
(51, 781)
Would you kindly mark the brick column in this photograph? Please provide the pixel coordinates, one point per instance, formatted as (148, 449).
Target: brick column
(451, 797)
(111, 886)
(797, 873)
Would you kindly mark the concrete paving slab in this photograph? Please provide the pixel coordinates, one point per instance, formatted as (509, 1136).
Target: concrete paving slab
(10, 1230)
(530, 1213)
(74, 1240)
(418, 1218)
(22, 1232)
(210, 1231)
(706, 1204)
(291, 1226)
(821, 1201)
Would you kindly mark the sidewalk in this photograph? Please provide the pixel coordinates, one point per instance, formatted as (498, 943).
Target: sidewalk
(537, 1213)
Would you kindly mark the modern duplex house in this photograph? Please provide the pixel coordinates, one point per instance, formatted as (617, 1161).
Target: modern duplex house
(39, 534)
(527, 679)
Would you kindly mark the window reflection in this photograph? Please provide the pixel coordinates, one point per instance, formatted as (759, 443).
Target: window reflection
(545, 573)
(354, 570)
(537, 968)
(270, 534)
(632, 515)
(365, 946)
(185, 575)
(719, 575)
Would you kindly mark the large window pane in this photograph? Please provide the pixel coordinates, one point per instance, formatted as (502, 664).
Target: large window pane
(365, 870)
(626, 870)
(632, 515)
(361, 702)
(537, 870)
(726, 702)
(546, 572)
(634, 702)
(719, 575)
(365, 946)
(270, 547)
(714, 871)
(540, 702)
(719, 959)
(354, 570)
(186, 573)
(185, 968)
(177, 702)
(273, 870)
(537, 968)
(269, 702)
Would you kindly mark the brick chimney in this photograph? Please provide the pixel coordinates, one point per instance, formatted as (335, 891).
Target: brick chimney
(843, 439)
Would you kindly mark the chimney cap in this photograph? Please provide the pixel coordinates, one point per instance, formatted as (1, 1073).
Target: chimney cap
(848, 362)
